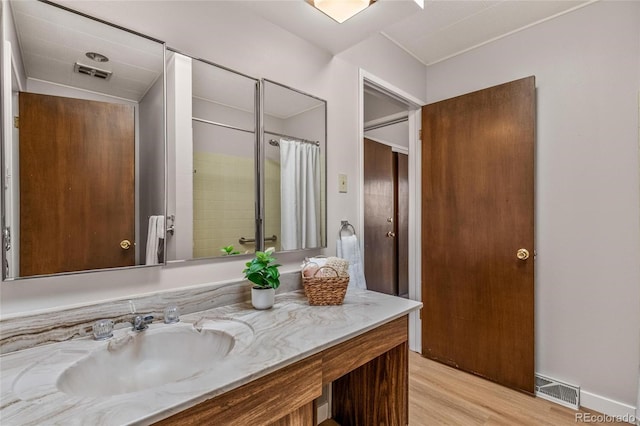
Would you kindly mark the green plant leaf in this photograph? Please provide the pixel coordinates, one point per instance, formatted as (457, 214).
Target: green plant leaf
(256, 279)
(262, 271)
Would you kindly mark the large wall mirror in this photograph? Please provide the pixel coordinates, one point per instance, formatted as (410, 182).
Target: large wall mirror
(83, 148)
(216, 204)
(295, 134)
(212, 143)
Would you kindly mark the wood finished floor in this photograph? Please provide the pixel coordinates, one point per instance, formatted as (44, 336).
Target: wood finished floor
(441, 395)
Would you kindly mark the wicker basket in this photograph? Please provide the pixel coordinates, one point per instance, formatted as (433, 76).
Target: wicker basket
(323, 290)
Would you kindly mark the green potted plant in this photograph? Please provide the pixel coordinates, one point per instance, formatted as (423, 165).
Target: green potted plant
(263, 273)
(229, 251)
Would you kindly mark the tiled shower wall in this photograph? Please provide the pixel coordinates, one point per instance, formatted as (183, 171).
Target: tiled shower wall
(223, 205)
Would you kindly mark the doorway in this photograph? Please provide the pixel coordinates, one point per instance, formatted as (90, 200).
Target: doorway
(404, 108)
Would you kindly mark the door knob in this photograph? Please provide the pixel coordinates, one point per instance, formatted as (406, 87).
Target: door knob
(389, 220)
(391, 234)
(125, 244)
(522, 254)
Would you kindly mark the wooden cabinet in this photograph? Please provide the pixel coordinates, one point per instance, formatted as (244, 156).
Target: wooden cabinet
(370, 386)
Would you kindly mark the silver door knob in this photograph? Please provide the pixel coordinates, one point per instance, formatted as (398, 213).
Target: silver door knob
(391, 234)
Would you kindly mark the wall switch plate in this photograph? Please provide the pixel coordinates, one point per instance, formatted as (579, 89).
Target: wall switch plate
(342, 183)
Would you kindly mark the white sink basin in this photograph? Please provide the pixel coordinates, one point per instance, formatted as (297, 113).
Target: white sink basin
(151, 358)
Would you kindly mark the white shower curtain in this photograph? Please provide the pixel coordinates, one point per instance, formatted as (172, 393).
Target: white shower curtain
(299, 194)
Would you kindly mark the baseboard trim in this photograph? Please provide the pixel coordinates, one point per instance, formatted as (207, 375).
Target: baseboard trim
(608, 406)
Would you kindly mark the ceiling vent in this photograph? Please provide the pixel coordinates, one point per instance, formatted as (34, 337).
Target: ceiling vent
(92, 71)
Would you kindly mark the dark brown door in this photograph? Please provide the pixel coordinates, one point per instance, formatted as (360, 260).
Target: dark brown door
(379, 231)
(402, 221)
(76, 184)
(477, 213)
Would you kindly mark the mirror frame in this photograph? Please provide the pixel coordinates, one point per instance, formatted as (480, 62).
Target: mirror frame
(6, 97)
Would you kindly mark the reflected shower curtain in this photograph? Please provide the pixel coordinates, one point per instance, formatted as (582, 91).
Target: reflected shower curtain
(299, 194)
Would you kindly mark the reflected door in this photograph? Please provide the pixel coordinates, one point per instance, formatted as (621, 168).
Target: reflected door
(386, 219)
(77, 185)
(380, 268)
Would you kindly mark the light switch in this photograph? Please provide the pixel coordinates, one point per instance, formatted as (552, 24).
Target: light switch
(342, 183)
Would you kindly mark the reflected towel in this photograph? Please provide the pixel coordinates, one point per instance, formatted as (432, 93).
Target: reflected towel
(348, 248)
(155, 241)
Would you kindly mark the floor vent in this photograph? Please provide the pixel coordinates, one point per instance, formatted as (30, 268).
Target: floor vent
(558, 392)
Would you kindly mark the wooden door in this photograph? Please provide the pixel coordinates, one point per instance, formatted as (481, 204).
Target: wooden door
(477, 212)
(379, 243)
(402, 221)
(76, 184)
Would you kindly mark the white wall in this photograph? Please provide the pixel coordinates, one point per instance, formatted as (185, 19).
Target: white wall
(395, 134)
(221, 140)
(586, 65)
(221, 33)
(150, 163)
(180, 157)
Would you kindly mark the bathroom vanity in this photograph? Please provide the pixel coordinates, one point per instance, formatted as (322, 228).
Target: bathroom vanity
(272, 374)
(369, 376)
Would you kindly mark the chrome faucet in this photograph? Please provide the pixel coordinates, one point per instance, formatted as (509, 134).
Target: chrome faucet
(141, 323)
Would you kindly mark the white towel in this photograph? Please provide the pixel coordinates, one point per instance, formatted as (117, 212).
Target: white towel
(348, 248)
(155, 240)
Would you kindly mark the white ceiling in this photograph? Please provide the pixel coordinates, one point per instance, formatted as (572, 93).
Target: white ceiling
(442, 29)
(446, 28)
(378, 105)
(52, 41)
(285, 103)
(223, 87)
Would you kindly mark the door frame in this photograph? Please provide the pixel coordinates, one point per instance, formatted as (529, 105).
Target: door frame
(414, 108)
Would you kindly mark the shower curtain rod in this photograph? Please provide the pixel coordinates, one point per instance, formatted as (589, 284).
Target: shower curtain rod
(271, 142)
(202, 120)
(276, 143)
(386, 123)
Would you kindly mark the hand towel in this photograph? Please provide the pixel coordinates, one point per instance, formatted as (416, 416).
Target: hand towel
(348, 248)
(155, 240)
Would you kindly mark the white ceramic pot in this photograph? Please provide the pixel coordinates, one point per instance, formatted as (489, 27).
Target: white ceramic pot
(262, 298)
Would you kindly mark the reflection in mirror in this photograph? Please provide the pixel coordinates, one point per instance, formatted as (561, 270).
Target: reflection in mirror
(84, 163)
(295, 169)
(211, 143)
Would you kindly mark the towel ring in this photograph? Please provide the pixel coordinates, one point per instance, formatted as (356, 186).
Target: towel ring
(346, 225)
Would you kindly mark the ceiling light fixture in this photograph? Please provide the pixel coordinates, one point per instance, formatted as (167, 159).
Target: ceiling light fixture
(340, 10)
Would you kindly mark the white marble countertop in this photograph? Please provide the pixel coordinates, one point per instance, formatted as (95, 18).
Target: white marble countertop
(265, 341)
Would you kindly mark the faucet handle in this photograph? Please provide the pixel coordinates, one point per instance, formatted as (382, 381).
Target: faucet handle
(171, 314)
(103, 329)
